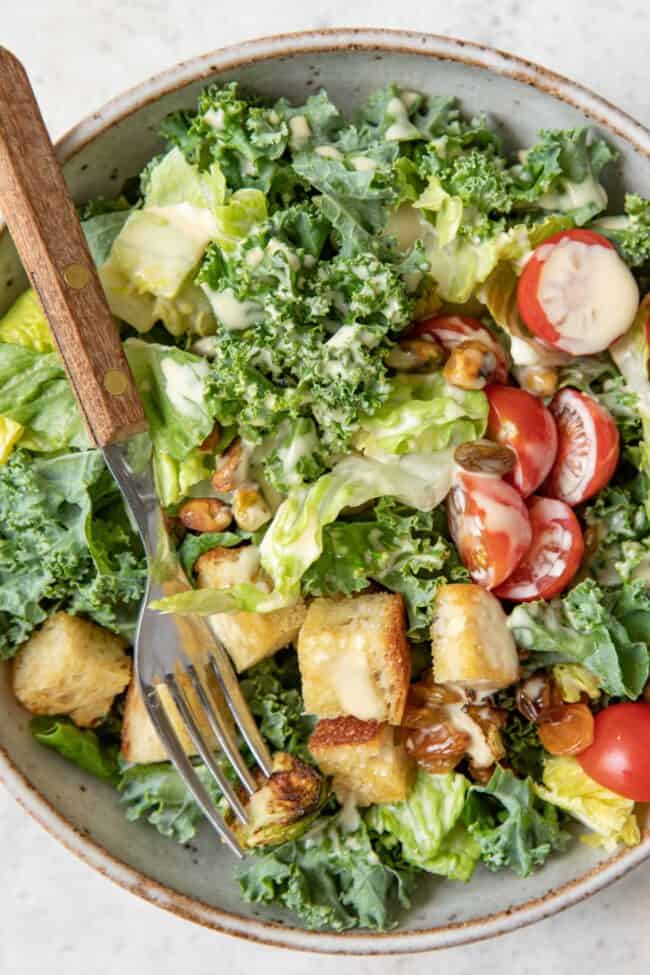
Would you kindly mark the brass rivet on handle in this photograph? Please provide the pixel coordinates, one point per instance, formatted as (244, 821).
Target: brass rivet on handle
(76, 276)
(115, 382)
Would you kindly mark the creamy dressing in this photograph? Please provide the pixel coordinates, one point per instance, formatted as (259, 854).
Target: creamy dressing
(215, 118)
(402, 127)
(350, 677)
(363, 164)
(574, 196)
(184, 383)
(300, 132)
(407, 226)
(275, 246)
(478, 749)
(254, 256)
(588, 294)
(233, 314)
(328, 152)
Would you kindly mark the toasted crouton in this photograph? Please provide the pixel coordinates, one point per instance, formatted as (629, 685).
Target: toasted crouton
(71, 666)
(471, 643)
(354, 658)
(248, 637)
(140, 741)
(364, 759)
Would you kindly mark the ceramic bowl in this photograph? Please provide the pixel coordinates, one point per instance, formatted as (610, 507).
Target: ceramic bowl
(98, 154)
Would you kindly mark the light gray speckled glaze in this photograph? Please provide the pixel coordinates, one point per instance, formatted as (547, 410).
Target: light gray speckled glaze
(98, 154)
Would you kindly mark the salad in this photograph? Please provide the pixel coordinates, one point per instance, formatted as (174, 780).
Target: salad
(397, 389)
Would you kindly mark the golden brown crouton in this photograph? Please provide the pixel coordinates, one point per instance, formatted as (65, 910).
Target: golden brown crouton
(71, 666)
(471, 643)
(354, 658)
(364, 759)
(140, 742)
(248, 637)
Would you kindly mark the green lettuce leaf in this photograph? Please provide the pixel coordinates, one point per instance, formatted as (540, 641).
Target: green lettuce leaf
(584, 627)
(524, 751)
(512, 826)
(422, 413)
(82, 747)
(273, 691)
(25, 324)
(427, 826)
(630, 231)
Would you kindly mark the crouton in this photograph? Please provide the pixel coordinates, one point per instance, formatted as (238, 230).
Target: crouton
(248, 637)
(71, 666)
(471, 643)
(354, 658)
(364, 758)
(140, 741)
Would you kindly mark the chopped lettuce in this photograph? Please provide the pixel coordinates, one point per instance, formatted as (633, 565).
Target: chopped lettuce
(574, 680)
(609, 817)
(422, 413)
(511, 825)
(272, 689)
(523, 748)
(587, 627)
(632, 356)
(25, 324)
(426, 827)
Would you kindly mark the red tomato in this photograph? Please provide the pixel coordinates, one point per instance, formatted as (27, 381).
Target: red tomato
(522, 422)
(576, 294)
(619, 758)
(587, 451)
(554, 555)
(451, 330)
(489, 524)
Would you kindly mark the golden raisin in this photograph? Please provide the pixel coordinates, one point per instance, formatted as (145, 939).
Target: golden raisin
(533, 696)
(471, 365)
(205, 515)
(413, 354)
(539, 380)
(567, 729)
(437, 748)
(227, 475)
(209, 444)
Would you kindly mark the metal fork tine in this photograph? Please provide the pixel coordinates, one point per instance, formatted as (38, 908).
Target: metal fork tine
(219, 664)
(202, 746)
(185, 768)
(221, 732)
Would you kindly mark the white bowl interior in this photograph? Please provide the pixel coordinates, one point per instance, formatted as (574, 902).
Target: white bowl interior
(202, 871)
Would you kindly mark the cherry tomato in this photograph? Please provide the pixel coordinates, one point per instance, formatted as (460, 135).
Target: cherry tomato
(619, 758)
(451, 330)
(576, 294)
(567, 729)
(588, 447)
(554, 555)
(522, 422)
(489, 524)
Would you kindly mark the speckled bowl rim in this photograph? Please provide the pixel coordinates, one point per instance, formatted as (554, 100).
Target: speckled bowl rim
(96, 856)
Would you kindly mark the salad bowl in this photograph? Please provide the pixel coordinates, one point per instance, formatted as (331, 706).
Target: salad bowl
(98, 155)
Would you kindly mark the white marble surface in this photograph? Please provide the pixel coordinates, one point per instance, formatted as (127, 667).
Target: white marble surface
(55, 914)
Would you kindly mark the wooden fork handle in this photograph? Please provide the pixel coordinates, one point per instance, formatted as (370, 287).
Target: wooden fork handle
(47, 233)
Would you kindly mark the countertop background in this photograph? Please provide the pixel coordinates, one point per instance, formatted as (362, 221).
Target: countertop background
(57, 915)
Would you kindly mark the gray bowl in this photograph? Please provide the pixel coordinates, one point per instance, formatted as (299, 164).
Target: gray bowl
(98, 154)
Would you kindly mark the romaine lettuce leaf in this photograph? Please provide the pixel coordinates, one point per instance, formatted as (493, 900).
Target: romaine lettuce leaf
(422, 413)
(584, 627)
(511, 825)
(25, 324)
(427, 826)
(82, 747)
(610, 817)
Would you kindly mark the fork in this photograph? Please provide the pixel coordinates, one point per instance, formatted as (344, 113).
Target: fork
(181, 654)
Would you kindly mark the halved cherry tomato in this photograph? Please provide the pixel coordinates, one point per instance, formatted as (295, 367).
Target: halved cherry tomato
(588, 447)
(554, 555)
(619, 758)
(576, 294)
(451, 330)
(522, 422)
(489, 524)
